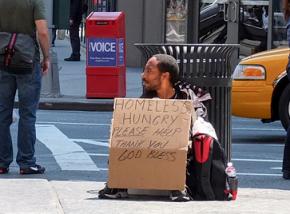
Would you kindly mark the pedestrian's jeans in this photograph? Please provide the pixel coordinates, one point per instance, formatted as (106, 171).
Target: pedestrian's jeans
(286, 157)
(28, 86)
(288, 38)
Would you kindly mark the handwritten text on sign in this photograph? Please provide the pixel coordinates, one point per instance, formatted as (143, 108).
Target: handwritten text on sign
(150, 128)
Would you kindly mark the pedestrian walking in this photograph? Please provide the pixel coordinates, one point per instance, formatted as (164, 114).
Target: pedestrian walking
(77, 8)
(286, 157)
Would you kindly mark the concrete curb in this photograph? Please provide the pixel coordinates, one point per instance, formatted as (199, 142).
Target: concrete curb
(74, 103)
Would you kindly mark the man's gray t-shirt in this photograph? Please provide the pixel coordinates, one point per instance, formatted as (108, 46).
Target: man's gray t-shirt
(19, 16)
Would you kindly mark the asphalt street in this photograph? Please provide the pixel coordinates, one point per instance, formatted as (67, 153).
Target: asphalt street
(74, 145)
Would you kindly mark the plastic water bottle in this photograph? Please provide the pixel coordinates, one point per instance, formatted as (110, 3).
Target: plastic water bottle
(232, 180)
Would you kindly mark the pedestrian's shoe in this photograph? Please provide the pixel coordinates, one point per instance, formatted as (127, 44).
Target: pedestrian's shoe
(286, 175)
(113, 193)
(179, 196)
(37, 169)
(73, 58)
(4, 170)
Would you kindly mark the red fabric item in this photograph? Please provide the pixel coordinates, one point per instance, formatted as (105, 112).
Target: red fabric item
(202, 145)
(9, 51)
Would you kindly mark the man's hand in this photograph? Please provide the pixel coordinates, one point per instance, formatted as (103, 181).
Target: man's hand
(43, 36)
(45, 64)
(71, 22)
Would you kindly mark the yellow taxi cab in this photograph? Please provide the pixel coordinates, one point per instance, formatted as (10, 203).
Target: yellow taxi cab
(261, 88)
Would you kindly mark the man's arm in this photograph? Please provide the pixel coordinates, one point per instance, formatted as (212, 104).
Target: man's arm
(43, 36)
(75, 10)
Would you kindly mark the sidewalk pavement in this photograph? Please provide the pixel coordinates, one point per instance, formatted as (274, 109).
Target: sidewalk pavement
(40, 195)
(72, 81)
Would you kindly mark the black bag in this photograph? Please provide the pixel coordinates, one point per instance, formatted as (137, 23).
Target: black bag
(17, 52)
(206, 178)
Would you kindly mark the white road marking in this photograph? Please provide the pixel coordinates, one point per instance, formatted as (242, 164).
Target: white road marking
(68, 154)
(260, 160)
(257, 160)
(98, 154)
(259, 174)
(243, 174)
(260, 144)
(276, 168)
(104, 169)
(70, 123)
(108, 124)
(93, 142)
(259, 129)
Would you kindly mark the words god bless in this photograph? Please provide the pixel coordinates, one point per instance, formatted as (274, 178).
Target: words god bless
(147, 128)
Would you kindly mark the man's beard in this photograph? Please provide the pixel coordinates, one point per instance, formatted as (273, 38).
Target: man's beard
(146, 86)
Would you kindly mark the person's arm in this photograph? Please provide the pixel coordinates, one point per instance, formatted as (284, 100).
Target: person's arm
(85, 7)
(75, 10)
(43, 37)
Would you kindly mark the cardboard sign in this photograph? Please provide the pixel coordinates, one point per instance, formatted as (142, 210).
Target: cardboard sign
(148, 145)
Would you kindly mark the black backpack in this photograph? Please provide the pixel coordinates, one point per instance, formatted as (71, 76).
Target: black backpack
(206, 178)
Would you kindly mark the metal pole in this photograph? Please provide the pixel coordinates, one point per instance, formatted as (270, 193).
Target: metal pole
(50, 83)
(232, 15)
(270, 25)
(193, 14)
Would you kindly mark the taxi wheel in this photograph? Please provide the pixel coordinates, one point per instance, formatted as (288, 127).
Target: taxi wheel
(284, 107)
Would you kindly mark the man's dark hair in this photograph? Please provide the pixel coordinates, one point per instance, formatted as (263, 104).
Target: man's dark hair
(167, 63)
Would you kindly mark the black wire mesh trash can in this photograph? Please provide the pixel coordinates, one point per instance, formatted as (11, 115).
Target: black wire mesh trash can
(207, 66)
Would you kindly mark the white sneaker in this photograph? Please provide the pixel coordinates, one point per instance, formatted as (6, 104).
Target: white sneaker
(179, 196)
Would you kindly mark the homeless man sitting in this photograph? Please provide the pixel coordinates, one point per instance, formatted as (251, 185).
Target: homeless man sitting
(161, 80)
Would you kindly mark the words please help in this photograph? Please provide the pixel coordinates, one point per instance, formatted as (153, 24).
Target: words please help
(148, 143)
